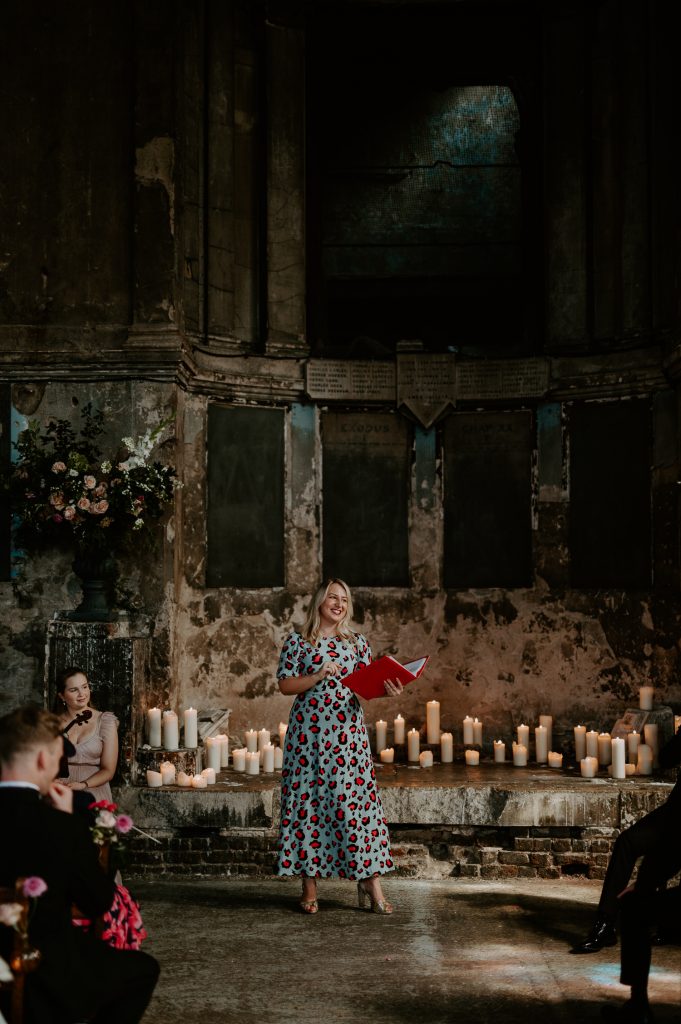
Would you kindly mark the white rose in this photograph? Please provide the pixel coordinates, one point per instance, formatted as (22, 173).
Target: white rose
(106, 819)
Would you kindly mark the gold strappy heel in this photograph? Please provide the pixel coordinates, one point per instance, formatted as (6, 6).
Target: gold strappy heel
(309, 906)
(376, 906)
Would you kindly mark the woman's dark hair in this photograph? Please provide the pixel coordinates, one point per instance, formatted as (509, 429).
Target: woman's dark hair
(62, 680)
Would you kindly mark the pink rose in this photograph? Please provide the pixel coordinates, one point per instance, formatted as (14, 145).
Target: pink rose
(84, 504)
(100, 490)
(34, 886)
(90, 482)
(57, 500)
(56, 518)
(10, 914)
(59, 467)
(100, 507)
(69, 512)
(123, 823)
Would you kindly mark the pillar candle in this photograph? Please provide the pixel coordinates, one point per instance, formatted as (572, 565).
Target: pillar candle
(263, 738)
(191, 728)
(630, 769)
(268, 757)
(171, 731)
(282, 733)
(555, 759)
(381, 734)
(239, 759)
(398, 729)
(251, 737)
(154, 779)
(154, 727)
(252, 762)
(618, 758)
(591, 743)
(645, 698)
(650, 733)
(413, 745)
(472, 757)
(433, 721)
(524, 736)
(209, 776)
(604, 749)
(387, 755)
(477, 732)
(168, 774)
(547, 722)
(519, 755)
(213, 753)
(580, 742)
(199, 782)
(644, 765)
(446, 747)
(183, 779)
(224, 749)
(589, 767)
(633, 740)
(499, 751)
(426, 758)
(541, 744)
(278, 759)
(467, 730)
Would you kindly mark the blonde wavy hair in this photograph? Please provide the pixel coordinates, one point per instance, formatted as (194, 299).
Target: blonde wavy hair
(312, 625)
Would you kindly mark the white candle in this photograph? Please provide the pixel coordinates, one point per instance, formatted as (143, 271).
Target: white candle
(477, 732)
(472, 757)
(251, 737)
(524, 736)
(547, 722)
(278, 759)
(191, 728)
(618, 758)
(199, 782)
(592, 743)
(645, 698)
(154, 727)
(519, 755)
(282, 733)
(263, 738)
(580, 742)
(224, 749)
(213, 753)
(446, 747)
(209, 776)
(381, 734)
(468, 730)
(630, 768)
(650, 733)
(541, 744)
(239, 759)
(252, 762)
(589, 767)
(171, 731)
(604, 749)
(183, 779)
(433, 721)
(413, 745)
(499, 751)
(555, 759)
(644, 765)
(633, 740)
(387, 755)
(398, 729)
(154, 779)
(268, 757)
(426, 758)
(168, 773)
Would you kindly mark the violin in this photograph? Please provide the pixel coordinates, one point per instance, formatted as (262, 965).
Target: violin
(83, 716)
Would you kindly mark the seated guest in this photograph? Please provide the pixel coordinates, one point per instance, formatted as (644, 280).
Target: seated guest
(78, 978)
(654, 830)
(94, 736)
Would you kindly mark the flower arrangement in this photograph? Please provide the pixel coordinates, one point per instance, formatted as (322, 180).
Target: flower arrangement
(17, 916)
(109, 826)
(62, 489)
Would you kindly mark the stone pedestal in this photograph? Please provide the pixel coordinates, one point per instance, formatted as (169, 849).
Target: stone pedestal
(115, 657)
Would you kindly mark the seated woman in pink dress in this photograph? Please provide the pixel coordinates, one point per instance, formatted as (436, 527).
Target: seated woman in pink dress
(95, 737)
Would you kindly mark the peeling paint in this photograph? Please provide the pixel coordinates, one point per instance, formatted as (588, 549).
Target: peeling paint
(155, 165)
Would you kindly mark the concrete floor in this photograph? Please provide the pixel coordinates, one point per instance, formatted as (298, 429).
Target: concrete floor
(237, 951)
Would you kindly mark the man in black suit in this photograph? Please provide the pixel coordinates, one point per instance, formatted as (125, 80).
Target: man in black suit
(79, 977)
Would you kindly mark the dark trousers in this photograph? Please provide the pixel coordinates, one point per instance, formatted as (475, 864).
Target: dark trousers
(658, 827)
(639, 911)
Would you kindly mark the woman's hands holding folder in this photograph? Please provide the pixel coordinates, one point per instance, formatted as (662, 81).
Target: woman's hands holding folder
(393, 687)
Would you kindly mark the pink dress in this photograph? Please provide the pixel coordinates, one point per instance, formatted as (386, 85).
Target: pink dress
(87, 761)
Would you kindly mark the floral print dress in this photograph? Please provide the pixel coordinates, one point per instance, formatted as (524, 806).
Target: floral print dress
(332, 820)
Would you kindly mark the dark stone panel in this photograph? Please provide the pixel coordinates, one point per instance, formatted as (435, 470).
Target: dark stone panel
(154, 254)
(5, 452)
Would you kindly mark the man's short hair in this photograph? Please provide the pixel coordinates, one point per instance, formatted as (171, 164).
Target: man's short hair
(24, 728)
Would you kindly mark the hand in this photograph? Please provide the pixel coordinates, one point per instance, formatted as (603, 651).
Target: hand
(61, 797)
(393, 687)
(329, 668)
(77, 785)
(629, 888)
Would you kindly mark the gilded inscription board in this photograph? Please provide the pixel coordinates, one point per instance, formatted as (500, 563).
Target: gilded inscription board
(502, 378)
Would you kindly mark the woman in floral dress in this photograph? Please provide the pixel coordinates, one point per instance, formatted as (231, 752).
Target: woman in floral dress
(332, 821)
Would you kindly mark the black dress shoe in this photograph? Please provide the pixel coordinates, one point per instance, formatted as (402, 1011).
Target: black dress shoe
(627, 1014)
(602, 934)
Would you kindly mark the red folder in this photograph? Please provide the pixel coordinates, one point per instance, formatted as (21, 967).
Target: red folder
(368, 681)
